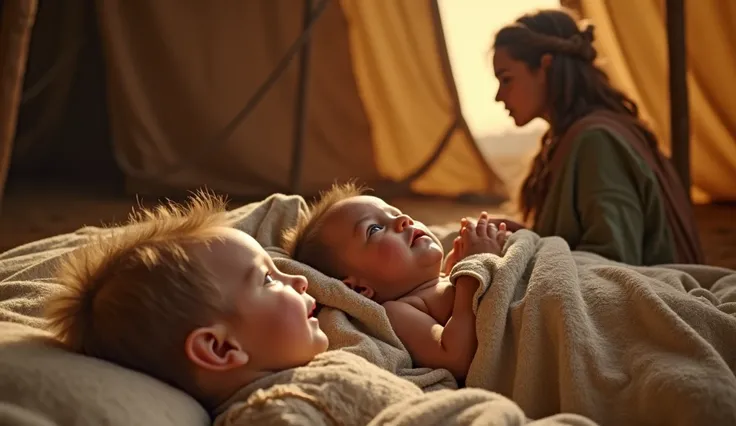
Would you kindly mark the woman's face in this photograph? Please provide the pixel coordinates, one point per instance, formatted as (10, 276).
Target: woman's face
(522, 90)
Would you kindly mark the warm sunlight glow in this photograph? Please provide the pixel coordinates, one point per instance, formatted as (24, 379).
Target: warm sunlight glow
(469, 27)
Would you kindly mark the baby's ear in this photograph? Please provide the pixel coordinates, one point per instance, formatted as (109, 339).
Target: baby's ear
(356, 285)
(211, 348)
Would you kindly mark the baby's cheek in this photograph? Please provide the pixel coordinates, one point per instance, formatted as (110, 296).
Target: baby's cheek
(391, 251)
(293, 328)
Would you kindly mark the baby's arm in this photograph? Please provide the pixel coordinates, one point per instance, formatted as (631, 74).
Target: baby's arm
(430, 344)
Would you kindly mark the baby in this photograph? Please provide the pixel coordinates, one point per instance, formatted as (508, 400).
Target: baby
(183, 297)
(388, 257)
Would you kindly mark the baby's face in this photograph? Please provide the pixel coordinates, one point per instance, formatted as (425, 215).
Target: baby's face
(381, 247)
(272, 313)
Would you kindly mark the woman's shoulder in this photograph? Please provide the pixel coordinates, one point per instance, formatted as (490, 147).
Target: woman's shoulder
(601, 154)
(603, 143)
(607, 128)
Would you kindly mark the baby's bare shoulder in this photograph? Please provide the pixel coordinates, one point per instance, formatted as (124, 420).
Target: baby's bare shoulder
(439, 301)
(416, 301)
(435, 301)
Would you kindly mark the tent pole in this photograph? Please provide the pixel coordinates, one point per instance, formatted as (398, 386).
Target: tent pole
(18, 18)
(679, 109)
(300, 110)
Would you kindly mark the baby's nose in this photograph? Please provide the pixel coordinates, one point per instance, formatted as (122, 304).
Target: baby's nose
(299, 283)
(402, 221)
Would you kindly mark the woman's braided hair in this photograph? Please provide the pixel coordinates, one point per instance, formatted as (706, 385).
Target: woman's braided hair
(575, 86)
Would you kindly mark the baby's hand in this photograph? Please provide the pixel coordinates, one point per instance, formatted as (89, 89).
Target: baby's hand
(483, 237)
(458, 252)
(455, 253)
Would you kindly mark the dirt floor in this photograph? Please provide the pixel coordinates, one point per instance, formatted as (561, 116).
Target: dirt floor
(33, 211)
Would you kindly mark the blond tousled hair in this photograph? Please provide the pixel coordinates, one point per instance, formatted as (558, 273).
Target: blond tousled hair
(132, 295)
(304, 243)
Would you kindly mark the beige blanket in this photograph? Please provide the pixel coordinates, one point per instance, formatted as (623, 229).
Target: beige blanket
(571, 332)
(591, 336)
(340, 388)
(357, 326)
(43, 384)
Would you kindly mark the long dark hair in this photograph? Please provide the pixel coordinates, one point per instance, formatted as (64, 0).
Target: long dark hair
(576, 86)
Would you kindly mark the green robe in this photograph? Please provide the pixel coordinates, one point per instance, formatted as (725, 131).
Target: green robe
(607, 201)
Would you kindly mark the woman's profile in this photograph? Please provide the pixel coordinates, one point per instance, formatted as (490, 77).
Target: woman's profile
(598, 180)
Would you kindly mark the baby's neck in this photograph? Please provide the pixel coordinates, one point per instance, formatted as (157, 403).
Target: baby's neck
(425, 285)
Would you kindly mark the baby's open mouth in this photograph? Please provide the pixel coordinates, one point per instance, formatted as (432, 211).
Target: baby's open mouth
(417, 234)
(310, 311)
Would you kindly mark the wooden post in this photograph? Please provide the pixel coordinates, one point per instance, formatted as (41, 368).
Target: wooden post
(679, 109)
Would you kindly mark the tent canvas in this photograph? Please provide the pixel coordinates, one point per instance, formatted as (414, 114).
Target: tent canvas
(379, 103)
(380, 99)
(675, 58)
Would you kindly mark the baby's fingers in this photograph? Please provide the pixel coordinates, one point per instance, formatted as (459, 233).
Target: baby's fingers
(502, 237)
(467, 227)
(482, 228)
(492, 231)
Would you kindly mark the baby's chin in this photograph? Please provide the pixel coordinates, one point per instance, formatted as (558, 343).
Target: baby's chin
(433, 237)
(436, 262)
(437, 251)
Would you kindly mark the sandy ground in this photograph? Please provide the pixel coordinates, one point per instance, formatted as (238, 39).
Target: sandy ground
(30, 212)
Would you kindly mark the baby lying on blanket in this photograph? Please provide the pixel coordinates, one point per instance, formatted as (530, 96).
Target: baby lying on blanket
(390, 258)
(182, 296)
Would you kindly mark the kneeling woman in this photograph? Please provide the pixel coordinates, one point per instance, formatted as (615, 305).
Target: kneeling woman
(598, 180)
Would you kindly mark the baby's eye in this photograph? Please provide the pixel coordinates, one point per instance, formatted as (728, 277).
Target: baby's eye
(268, 279)
(372, 229)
